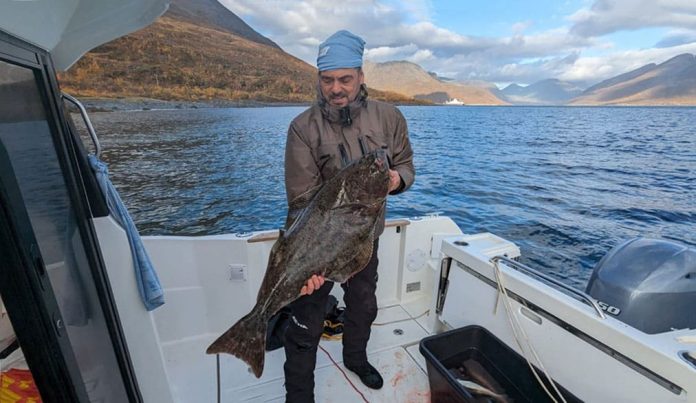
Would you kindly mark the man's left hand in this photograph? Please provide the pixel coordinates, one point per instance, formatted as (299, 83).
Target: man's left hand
(394, 180)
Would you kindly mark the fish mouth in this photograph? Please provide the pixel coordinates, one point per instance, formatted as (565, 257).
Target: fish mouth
(381, 161)
(382, 172)
(375, 174)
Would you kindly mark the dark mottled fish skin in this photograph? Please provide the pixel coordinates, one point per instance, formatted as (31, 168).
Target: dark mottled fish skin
(333, 236)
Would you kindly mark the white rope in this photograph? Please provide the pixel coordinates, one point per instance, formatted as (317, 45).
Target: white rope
(520, 334)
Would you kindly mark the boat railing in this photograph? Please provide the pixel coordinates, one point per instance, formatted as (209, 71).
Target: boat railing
(88, 123)
(573, 291)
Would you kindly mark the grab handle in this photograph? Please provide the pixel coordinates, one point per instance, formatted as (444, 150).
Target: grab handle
(88, 123)
(526, 269)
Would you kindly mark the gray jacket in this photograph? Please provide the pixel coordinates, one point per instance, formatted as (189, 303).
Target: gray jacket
(313, 151)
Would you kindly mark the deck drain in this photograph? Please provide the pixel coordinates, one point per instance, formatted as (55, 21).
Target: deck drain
(398, 332)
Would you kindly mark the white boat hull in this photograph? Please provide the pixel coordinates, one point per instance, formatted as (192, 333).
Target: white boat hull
(210, 282)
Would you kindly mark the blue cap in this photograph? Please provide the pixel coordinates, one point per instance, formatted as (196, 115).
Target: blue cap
(342, 50)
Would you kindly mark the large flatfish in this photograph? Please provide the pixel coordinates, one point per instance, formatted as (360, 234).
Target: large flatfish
(332, 236)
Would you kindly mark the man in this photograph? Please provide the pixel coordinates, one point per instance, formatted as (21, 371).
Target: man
(339, 128)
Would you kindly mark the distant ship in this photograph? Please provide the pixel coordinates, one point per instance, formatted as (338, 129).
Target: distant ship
(454, 101)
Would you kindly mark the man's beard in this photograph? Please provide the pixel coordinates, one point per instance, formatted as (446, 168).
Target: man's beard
(341, 95)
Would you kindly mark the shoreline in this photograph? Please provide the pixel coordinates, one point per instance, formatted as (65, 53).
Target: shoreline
(145, 104)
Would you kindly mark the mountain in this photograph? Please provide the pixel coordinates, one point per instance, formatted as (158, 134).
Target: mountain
(439, 78)
(670, 83)
(198, 50)
(182, 57)
(411, 80)
(213, 14)
(621, 78)
(545, 92)
(513, 89)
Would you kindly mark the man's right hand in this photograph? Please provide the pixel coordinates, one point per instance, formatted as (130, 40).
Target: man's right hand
(314, 283)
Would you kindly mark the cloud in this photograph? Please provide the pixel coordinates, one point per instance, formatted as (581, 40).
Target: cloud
(404, 30)
(519, 27)
(600, 68)
(304, 24)
(421, 56)
(420, 10)
(608, 16)
(676, 38)
(299, 26)
(520, 71)
(387, 53)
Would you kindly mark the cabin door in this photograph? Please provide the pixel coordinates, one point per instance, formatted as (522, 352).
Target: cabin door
(59, 323)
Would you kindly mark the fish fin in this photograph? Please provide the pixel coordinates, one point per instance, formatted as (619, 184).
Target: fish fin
(273, 272)
(246, 340)
(297, 206)
(302, 200)
(293, 215)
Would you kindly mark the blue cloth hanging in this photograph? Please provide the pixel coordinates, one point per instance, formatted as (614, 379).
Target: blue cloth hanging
(148, 283)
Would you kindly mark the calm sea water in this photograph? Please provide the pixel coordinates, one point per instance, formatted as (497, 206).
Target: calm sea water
(565, 184)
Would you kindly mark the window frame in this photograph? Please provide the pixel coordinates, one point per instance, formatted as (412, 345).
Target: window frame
(24, 281)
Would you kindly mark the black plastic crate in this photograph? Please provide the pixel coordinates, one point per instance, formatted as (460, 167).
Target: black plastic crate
(448, 350)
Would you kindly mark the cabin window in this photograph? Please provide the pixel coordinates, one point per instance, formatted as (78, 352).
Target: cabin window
(27, 138)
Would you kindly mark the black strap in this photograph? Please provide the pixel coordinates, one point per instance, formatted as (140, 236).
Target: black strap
(9, 349)
(344, 155)
(363, 146)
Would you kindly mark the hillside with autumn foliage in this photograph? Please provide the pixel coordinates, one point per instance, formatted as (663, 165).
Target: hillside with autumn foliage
(197, 51)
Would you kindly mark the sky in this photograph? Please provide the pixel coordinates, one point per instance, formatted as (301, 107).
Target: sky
(581, 41)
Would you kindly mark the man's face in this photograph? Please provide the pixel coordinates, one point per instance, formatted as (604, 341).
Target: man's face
(340, 86)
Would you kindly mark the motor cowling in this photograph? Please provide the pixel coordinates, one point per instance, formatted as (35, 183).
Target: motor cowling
(649, 284)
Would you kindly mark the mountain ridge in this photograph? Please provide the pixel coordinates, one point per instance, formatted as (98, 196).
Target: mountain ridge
(551, 91)
(672, 82)
(199, 50)
(213, 14)
(411, 80)
(183, 56)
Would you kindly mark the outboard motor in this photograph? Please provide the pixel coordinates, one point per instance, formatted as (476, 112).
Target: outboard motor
(649, 284)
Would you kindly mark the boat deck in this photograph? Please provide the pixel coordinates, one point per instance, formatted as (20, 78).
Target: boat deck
(205, 295)
(393, 350)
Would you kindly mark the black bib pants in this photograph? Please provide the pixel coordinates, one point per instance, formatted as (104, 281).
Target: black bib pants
(307, 324)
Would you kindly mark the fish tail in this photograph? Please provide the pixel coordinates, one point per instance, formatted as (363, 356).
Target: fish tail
(246, 340)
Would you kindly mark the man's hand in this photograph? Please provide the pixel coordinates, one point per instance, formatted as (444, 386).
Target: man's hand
(314, 283)
(394, 180)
